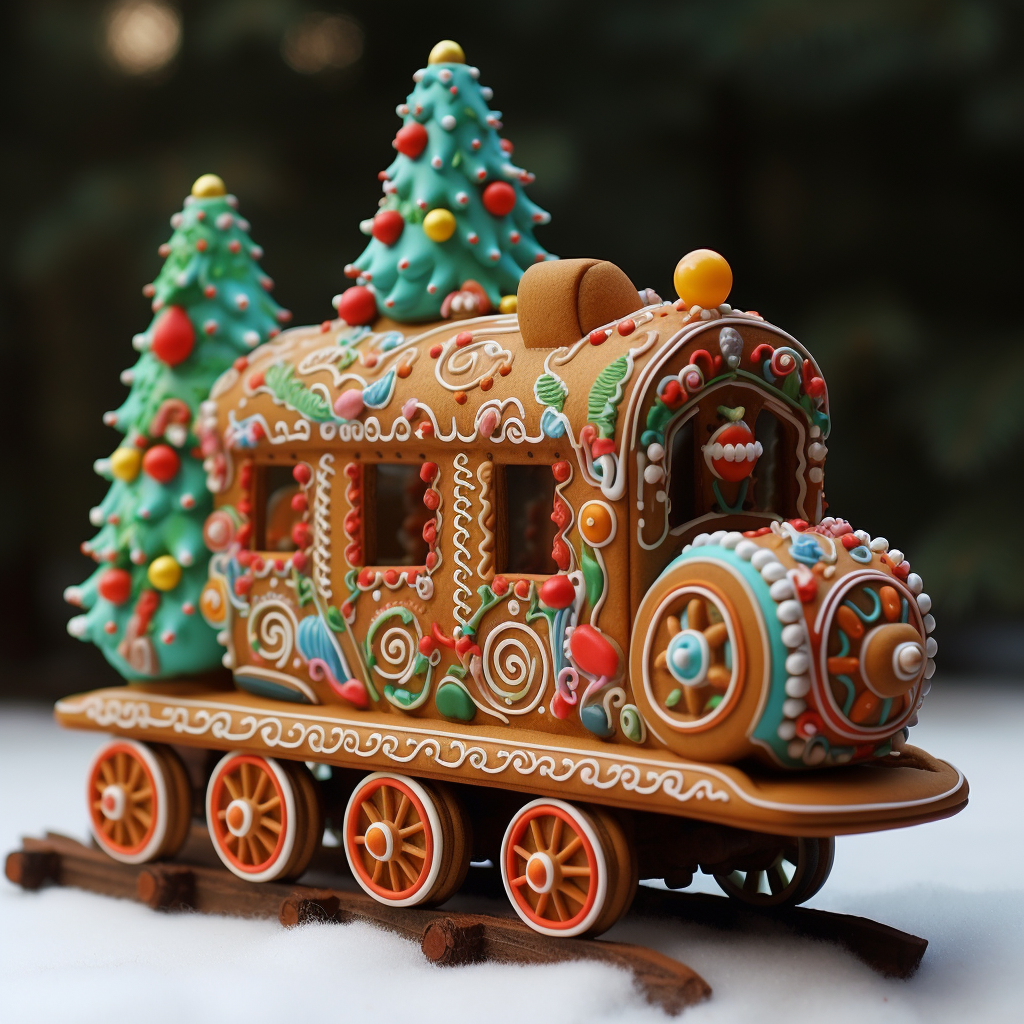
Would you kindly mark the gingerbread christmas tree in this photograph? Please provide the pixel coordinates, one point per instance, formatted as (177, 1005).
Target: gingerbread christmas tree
(454, 232)
(211, 305)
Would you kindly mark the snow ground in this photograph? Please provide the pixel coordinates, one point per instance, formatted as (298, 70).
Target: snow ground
(74, 957)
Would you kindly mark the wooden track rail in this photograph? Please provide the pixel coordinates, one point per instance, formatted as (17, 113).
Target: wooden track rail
(197, 882)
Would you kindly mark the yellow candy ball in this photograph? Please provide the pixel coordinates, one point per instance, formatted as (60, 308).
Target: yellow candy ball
(703, 278)
(125, 463)
(164, 573)
(509, 304)
(447, 52)
(439, 225)
(208, 185)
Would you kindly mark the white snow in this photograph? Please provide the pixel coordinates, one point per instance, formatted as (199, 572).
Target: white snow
(74, 957)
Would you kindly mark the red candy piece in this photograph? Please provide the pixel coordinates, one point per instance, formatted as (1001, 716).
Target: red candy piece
(499, 198)
(499, 585)
(598, 337)
(592, 652)
(626, 327)
(357, 306)
(300, 561)
(849, 541)
(174, 337)
(428, 471)
(411, 140)
(302, 474)
(388, 226)
(162, 463)
(115, 586)
(557, 592)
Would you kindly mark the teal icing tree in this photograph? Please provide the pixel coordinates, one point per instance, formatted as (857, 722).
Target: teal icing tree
(211, 305)
(454, 217)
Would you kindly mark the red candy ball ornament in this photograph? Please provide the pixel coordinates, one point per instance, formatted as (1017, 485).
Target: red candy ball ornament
(357, 306)
(411, 140)
(115, 586)
(162, 463)
(499, 198)
(174, 337)
(387, 226)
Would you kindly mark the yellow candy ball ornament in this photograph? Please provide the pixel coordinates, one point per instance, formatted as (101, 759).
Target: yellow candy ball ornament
(703, 278)
(508, 304)
(447, 52)
(439, 225)
(125, 464)
(208, 185)
(164, 573)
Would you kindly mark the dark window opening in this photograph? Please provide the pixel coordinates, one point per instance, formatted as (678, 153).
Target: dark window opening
(683, 477)
(275, 489)
(775, 473)
(528, 499)
(395, 514)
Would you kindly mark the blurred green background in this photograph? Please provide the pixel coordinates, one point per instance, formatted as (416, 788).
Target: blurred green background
(857, 161)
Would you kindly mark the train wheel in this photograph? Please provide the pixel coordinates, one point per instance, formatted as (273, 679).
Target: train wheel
(568, 871)
(264, 816)
(797, 873)
(140, 801)
(406, 841)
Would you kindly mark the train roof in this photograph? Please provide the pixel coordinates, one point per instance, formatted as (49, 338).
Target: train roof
(465, 381)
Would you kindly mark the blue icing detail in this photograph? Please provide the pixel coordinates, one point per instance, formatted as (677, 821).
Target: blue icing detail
(805, 549)
(551, 423)
(378, 394)
(686, 657)
(314, 641)
(391, 339)
(765, 730)
(861, 554)
(595, 720)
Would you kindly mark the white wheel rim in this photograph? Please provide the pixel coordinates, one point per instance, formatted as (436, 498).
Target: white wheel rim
(581, 825)
(160, 809)
(433, 821)
(280, 863)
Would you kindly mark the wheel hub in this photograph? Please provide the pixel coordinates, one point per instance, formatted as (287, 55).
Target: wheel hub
(239, 818)
(112, 803)
(540, 872)
(380, 841)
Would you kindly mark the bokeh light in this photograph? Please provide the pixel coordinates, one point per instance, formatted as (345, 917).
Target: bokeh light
(322, 42)
(142, 36)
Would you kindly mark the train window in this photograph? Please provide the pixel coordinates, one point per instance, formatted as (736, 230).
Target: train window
(275, 489)
(682, 483)
(775, 473)
(527, 496)
(395, 514)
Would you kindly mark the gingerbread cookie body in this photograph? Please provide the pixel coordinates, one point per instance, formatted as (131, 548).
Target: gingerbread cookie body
(548, 579)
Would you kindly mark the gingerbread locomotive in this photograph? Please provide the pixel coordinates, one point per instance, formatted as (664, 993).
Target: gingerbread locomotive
(510, 560)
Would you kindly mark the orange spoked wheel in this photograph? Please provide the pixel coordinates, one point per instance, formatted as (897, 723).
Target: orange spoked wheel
(567, 870)
(264, 816)
(140, 801)
(406, 842)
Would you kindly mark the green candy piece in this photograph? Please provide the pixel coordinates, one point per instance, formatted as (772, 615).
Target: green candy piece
(454, 702)
(673, 698)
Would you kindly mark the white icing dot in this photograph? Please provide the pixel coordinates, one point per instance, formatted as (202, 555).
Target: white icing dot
(781, 590)
(376, 595)
(448, 122)
(797, 664)
(798, 686)
(762, 558)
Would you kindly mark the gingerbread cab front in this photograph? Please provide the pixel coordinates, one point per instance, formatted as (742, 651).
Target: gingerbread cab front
(598, 519)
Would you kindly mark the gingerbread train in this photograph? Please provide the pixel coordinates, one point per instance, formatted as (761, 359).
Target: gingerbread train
(548, 580)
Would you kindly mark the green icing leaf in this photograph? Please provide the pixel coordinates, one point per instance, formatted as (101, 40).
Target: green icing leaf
(335, 620)
(673, 698)
(605, 395)
(550, 390)
(453, 701)
(593, 576)
(281, 381)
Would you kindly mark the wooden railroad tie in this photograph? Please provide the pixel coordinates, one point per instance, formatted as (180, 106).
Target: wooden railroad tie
(446, 937)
